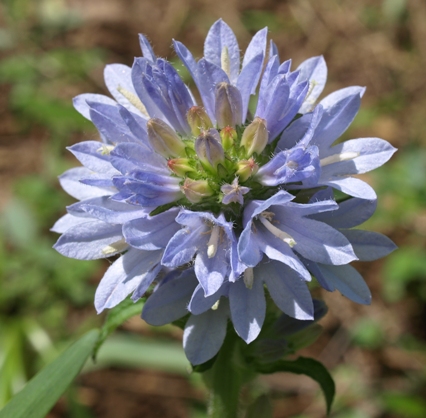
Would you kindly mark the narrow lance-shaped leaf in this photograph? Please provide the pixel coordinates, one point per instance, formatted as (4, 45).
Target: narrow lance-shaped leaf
(43, 391)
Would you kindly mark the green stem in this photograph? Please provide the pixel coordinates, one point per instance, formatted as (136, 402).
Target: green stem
(225, 380)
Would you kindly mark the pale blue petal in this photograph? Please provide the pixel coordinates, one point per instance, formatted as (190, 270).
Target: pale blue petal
(87, 240)
(70, 182)
(351, 212)
(80, 102)
(256, 46)
(335, 120)
(351, 186)
(146, 48)
(123, 276)
(117, 77)
(248, 79)
(348, 282)
(341, 94)
(369, 245)
(204, 334)
(107, 210)
(248, 308)
(220, 36)
(89, 153)
(372, 153)
(169, 302)
(313, 70)
(287, 289)
(152, 232)
(67, 222)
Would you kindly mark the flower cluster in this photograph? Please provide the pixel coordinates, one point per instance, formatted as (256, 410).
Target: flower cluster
(213, 202)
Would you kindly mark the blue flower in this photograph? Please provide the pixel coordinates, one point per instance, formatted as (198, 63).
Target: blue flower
(208, 207)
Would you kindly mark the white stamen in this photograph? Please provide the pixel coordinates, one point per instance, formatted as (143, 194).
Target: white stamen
(344, 156)
(105, 149)
(213, 241)
(248, 277)
(225, 62)
(115, 247)
(216, 305)
(134, 100)
(277, 232)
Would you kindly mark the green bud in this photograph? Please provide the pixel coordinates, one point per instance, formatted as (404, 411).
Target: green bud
(196, 190)
(246, 168)
(209, 149)
(228, 136)
(255, 137)
(180, 166)
(228, 105)
(164, 139)
(198, 120)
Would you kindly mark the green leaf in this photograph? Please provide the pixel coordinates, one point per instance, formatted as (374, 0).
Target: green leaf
(42, 392)
(115, 318)
(308, 367)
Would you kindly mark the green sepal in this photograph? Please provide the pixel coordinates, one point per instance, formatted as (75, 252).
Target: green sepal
(200, 368)
(117, 316)
(309, 367)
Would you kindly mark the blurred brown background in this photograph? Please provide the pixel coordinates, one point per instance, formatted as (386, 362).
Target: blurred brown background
(52, 50)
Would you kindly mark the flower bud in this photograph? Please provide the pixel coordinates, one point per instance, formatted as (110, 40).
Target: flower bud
(228, 105)
(198, 120)
(255, 137)
(228, 136)
(246, 168)
(196, 190)
(164, 139)
(209, 149)
(180, 166)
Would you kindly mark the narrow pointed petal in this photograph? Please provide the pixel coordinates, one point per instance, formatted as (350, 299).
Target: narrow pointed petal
(169, 302)
(151, 232)
(313, 70)
(67, 222)
(256, 46)
(348, 282)
(221, 36)
(341, 94)
(201, 303)
(287, 289)
(248, 80)
(248, 308)
(88, 240)
(369, 153)
(351, 186)
(107, 210)
(369, 245)
(123, 276)
(118, 79)
(70, 182)
(204, 334)
(334, 122)
(146, 48)
(351, 212)
(81, 105)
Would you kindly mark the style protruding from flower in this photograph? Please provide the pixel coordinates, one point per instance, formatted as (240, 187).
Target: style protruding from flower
(208, 207)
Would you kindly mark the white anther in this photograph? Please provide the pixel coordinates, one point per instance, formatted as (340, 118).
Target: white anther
(213, 241)
(134, 100)
(225, 62)
(277, 232)
(216, 305)
(344, 156)
(105, 149)
(248, 277)
(115, 247)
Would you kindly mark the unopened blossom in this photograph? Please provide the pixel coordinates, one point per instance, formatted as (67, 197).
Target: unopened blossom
(209, 205)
